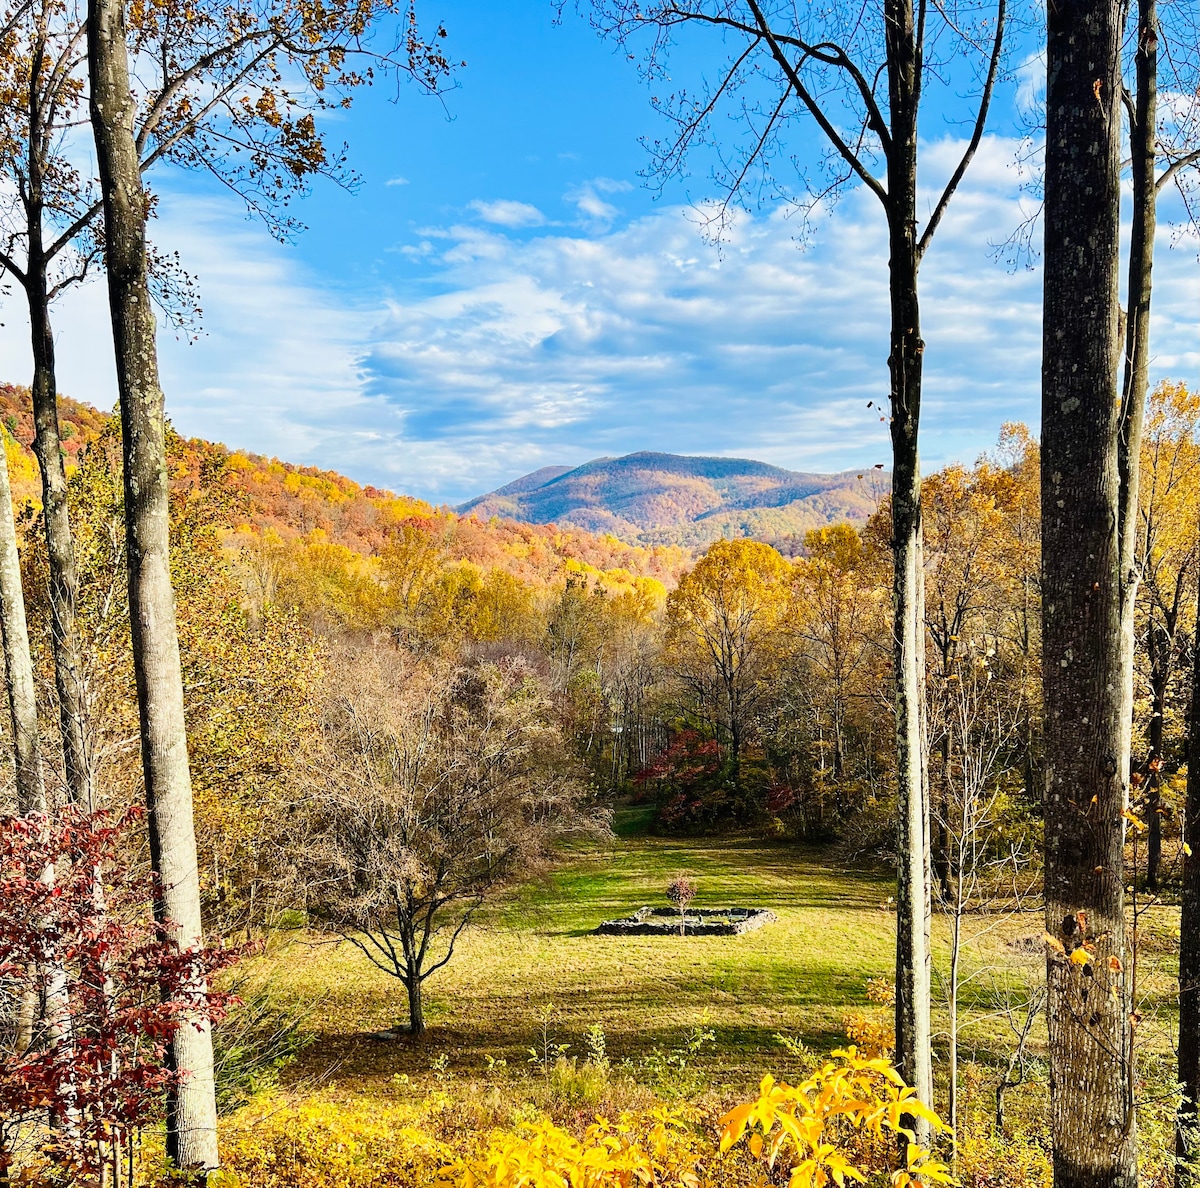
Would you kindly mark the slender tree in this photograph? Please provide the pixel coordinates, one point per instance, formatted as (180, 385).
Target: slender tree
(18, 664)
(1189, 945)
(1143, 133)
(192, 1114)
(1090, 1034)
(22, 700)
(44, 65)
(859, 73)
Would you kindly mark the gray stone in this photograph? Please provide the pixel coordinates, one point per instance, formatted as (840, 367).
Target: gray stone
(648, 921)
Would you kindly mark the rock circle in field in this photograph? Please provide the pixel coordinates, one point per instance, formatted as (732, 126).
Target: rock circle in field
(649, 921)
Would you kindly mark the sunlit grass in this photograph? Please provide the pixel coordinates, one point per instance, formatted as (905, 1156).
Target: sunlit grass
(533, 956)
(532, 961)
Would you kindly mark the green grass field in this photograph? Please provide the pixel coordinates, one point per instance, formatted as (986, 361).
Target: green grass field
(531, 969)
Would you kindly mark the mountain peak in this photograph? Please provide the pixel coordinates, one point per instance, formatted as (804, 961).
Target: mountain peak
(655, 498)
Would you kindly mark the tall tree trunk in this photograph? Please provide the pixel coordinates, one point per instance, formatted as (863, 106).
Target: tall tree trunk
(60, 545)
(1090, 1037)
(913, 1054)
(1189, 944)
(47, 446)
(69, 675)
(1143, 130)
(18, 663)
(191, 1120)
(22, 700)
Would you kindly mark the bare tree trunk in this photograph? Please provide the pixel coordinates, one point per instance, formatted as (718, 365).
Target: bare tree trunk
(913, 1054)
(22, 695)
(1160, 675)
(60, 545)
(955, 965)
(1091, 1064)
(416, 1011)
(1143, 130)
(191, 1109)
(1189, 945)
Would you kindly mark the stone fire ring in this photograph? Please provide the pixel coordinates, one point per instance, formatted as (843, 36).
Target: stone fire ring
(665, 922)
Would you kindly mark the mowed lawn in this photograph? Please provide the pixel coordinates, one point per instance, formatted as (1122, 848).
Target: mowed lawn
(532, 971)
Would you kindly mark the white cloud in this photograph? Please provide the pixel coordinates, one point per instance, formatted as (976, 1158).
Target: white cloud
(1031, 83)
(276, 369)
(570, 345)
(508, 352)
(595, 212)
(506, 213)
(396, 181)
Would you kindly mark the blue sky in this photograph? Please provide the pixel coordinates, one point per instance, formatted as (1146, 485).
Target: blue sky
(502, 292)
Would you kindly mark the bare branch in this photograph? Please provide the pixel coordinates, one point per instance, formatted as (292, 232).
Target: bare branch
(976, 136)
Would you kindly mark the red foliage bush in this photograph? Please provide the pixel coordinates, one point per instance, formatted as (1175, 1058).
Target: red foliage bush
(78, 940)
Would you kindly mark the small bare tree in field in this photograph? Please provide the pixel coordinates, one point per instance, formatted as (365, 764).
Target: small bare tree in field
(681, 891)
(437, 780)
(981, 714)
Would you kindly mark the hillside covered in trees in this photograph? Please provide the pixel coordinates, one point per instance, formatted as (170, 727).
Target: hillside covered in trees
(649, 498)
(269, 500)
(397, 715)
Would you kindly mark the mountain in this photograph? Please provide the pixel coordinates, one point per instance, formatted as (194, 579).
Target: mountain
(654, 499)
(293, 502)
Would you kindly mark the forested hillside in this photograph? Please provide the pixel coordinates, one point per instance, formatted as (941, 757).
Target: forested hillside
(648, 498)
(396, 715)
(269, 500)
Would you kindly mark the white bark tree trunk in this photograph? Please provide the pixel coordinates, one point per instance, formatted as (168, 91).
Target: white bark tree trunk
(192, 1117)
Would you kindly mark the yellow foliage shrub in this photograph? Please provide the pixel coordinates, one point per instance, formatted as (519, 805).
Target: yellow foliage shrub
(872, 1036)
(635, 1151)
(840, 1124)
(371, 1144)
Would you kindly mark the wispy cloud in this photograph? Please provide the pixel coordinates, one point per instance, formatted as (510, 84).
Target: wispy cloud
(507, 213)
(595, 213)
(396, 181)
(506, 351)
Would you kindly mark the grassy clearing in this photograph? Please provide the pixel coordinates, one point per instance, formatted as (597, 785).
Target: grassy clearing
(532, 972)
(532, 969)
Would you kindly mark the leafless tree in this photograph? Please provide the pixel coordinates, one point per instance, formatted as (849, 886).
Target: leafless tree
(437, 780)
(982, 718)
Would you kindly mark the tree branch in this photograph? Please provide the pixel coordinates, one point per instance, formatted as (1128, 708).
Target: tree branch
(976, 136)
(815, 110)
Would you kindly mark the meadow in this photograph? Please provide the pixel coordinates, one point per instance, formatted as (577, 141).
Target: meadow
(531, 972)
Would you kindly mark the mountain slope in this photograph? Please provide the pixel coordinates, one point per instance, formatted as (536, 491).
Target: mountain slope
(648, 498)
(267, 496)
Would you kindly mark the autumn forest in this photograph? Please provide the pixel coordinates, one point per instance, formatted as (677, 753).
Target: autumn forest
(663, 820)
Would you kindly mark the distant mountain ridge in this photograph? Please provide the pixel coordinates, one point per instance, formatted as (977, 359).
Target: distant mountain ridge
(651, 498)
